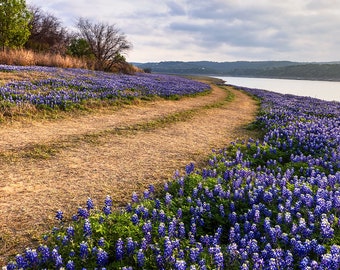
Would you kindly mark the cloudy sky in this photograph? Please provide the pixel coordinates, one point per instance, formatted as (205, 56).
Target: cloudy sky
(214, 30)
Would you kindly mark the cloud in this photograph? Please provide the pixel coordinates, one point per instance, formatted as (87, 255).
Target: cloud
(216, 30)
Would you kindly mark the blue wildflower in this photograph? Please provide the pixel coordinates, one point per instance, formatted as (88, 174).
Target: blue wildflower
(59, 215)
(140, 258)
(70, 265)
(87, 228)
(89, 204)
(119, 249)
(102, 257)
(83, 250)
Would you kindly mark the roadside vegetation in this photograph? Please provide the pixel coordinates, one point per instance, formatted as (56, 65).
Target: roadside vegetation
(31, 91)
(257, 204)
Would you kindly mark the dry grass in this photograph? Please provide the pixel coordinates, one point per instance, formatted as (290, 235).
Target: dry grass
(92, 160)
(30, 58)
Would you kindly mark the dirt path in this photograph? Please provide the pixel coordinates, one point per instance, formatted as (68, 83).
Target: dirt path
(31, 190)
(24, 134)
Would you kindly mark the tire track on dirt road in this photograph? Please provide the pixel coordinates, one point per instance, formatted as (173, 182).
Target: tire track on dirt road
(31, 190)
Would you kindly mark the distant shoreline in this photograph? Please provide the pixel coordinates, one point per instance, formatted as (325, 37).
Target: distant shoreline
(253, 77)
(260, 69)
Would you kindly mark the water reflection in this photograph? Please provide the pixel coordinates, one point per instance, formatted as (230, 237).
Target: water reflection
(326, 90)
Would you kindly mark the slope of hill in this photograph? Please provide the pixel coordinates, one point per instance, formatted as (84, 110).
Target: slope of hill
(266, 69)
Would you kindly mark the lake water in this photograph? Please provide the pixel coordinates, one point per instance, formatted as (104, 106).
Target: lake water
(325, 90)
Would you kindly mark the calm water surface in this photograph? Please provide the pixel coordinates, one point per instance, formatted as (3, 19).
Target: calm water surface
(317, 89)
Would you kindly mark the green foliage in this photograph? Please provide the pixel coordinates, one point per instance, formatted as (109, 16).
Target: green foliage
(80, 48)
(14, 21)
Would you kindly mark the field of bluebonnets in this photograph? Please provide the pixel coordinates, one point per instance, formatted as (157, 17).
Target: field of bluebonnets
(69, 88)
(258, 204)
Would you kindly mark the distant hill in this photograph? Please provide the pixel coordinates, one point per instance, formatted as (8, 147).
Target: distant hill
(264, 69)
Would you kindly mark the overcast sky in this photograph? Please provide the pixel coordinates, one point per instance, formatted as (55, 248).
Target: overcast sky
(214, 30)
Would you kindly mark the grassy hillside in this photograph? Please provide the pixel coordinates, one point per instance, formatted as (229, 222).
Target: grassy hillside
(266, 69)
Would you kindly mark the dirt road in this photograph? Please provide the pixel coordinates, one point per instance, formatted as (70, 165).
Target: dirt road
(106, 154)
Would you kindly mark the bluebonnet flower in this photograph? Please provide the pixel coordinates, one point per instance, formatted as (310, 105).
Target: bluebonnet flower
(119, 249)
(44, 252)
(147, 227)
(140, 258)
(89, 204)
(65, 240)
(145, 213)
(194, 253)
(70, 232)
(161, 229)
(59, 215)
(168, 198)
(159, 261)
(253, 246)
(102, 257)
(87, 228)
(202, 264)
(70, 265)
(11, 266)
(134, 197)
(162, 216)
(72, 253)
(107, 210)
(166, 187)
(218, 258)
(181, 230)
(157, 203)
(179, 213)
(21, 262)
(180, 265)
(152, 188)
(108, 201)
(245, 266)
(146, 194)
(144, 243)
(319, 249)
(154, 214)
(325, 228)
(83, 213)
(83, 250)
(94, 250)
(101, 242)
(58, 261)
(167, 247)
(172, 228)
(31, 256)
(189, 168)
(233, 217)
(128, 208)
(193, 228)
(221, 209)
(130, 246)
(135, 219)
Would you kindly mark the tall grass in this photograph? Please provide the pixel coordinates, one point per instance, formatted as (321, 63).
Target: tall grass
(30, 58)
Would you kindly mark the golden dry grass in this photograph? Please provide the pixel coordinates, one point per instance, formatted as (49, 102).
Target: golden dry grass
(30, 58)
(92, 159)
(23, 57)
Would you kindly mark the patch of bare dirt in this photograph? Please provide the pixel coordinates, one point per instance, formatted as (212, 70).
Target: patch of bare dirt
(32, 190)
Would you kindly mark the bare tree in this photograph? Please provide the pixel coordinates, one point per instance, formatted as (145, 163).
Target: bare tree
(106, 42)
(47, 33)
